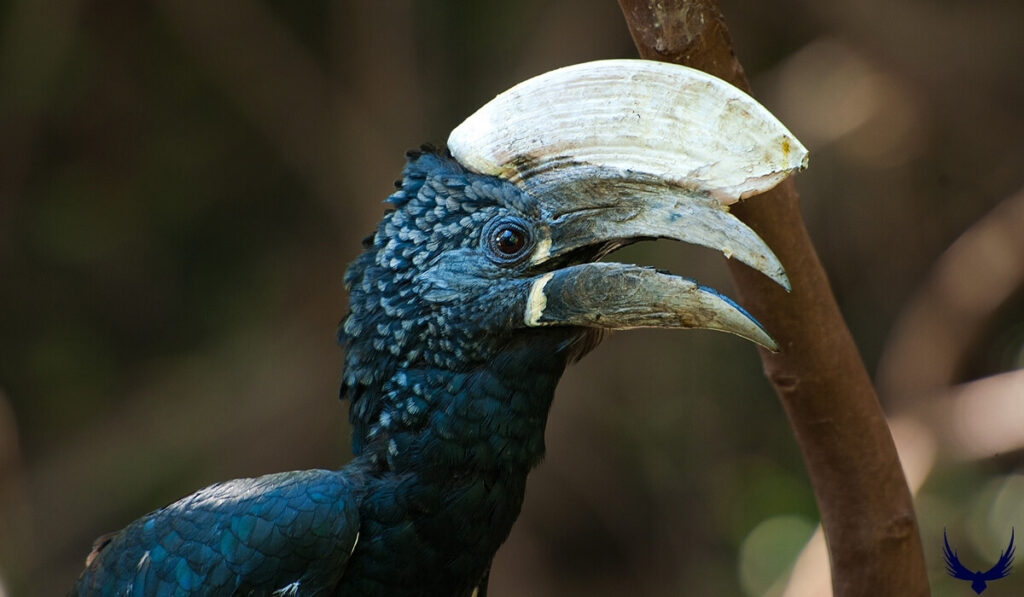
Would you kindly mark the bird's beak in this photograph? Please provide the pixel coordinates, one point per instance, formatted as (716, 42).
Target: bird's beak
(593, 210)
(618, 150)
(620, 296)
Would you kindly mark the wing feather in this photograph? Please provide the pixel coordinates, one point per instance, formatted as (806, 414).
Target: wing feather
(278, 533)
(1004, 565)
(953, 566)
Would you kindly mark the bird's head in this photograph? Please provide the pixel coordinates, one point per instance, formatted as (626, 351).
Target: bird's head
(494, 244)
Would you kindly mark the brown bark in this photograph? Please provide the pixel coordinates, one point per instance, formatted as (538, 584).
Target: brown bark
(866, 508)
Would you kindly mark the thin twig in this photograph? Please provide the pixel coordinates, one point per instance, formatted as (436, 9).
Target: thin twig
(941, 323)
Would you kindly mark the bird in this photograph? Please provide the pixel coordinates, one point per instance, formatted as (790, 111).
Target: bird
(978, 579)
(481, 283)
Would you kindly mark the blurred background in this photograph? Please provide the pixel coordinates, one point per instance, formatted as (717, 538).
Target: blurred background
(182, 184)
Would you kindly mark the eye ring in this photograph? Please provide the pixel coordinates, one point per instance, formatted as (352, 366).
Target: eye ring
(507, 239)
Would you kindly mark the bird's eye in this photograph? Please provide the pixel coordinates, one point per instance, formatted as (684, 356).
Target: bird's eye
(507, 239)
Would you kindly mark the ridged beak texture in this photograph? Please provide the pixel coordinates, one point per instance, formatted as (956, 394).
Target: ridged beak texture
(617, 150)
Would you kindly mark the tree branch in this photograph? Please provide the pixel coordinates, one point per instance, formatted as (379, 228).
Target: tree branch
(866, 508)
(975, 420)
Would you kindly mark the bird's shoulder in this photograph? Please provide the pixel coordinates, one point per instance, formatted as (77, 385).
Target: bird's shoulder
(278, 532)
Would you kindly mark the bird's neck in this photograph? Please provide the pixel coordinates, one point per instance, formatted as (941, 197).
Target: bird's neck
(450, 452)
(484, 419)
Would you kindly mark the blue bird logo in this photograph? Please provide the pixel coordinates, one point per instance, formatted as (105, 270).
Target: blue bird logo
(957, 570)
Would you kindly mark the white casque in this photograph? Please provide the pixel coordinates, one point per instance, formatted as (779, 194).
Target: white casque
(667, 121)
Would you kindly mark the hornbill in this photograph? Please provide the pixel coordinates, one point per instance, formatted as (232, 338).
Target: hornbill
(480, 285)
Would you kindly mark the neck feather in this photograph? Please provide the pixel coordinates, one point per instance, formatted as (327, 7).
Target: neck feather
(485, 418)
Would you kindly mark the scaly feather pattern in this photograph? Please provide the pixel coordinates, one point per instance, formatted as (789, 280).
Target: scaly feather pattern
(449, 396)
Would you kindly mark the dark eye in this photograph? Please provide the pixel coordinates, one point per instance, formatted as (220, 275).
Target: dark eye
(507, 239)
